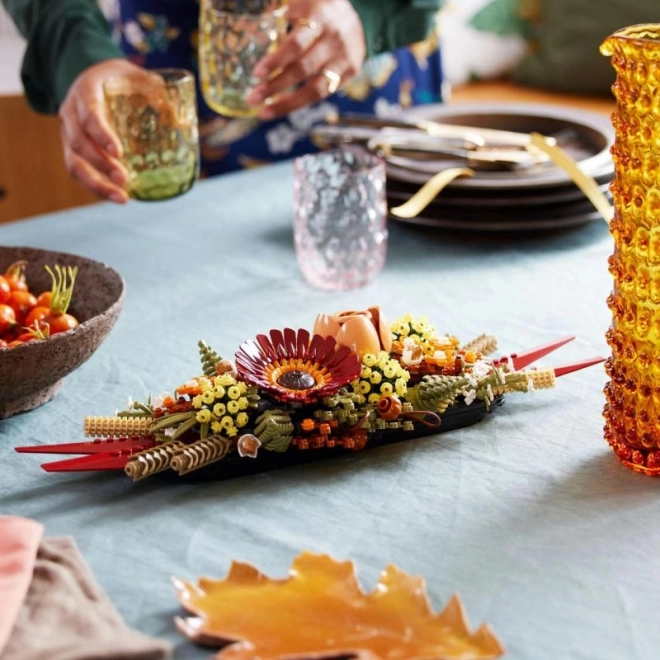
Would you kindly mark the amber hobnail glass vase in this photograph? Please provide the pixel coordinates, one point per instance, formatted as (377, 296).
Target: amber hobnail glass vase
(632, 409)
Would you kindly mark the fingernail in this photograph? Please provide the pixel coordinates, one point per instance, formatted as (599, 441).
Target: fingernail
(255, 96)
(111, 148)
(118, 198)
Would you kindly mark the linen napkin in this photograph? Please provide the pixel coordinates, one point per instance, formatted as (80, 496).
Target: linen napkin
(19, 540)
(67, 616)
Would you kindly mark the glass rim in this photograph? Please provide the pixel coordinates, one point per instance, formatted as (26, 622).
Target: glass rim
(643, 33)
(122, 82)
(282, 9)
(368, 162)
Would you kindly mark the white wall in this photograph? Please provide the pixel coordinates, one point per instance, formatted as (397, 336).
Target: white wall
(11, 53)
(6, 26)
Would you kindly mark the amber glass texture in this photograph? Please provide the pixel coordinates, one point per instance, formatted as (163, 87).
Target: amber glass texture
(632, 408)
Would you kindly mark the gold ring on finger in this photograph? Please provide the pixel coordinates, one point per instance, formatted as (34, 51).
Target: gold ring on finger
(307, 22)
(333, 78)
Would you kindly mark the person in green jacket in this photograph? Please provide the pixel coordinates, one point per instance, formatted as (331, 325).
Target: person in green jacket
(340, 55)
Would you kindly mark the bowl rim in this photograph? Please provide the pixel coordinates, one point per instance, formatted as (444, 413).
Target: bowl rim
(63, 336)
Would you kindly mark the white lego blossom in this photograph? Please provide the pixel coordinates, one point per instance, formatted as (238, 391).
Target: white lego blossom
(157, 401)
(412, 353)
(407, 356)
(481, 369)
(470, 396)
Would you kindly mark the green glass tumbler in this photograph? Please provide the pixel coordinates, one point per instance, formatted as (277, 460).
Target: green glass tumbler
(154, 114)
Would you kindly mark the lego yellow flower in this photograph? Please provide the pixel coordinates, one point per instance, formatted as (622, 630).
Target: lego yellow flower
(414, 327)
(369, 360)
(226, 380)
(384, 377)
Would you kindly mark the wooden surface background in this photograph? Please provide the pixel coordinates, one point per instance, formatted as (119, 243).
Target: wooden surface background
(33, 178)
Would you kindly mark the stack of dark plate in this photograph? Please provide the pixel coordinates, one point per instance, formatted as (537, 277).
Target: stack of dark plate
(534, 198)
(509, 199)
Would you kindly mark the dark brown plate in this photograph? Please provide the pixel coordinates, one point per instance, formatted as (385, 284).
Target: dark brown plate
(398, 192)
(586, 136)
(505, 222)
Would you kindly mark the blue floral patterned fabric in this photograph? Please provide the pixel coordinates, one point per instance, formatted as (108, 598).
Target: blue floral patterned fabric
(163, 33)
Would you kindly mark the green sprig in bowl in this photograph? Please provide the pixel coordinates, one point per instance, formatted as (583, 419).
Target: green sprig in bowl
(32, 373)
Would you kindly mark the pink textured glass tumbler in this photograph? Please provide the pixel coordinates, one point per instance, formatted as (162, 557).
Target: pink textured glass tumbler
(340, 217)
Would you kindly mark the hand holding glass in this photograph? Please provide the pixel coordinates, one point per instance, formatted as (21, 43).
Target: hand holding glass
(233, 36)
(154, 114)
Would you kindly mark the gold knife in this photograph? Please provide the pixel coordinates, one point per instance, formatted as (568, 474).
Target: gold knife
(420, 146)
(472, 135)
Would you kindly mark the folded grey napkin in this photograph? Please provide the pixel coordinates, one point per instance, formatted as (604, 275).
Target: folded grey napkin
(67, 616)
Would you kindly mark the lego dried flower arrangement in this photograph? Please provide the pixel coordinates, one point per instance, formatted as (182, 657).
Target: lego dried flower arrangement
(355, 381)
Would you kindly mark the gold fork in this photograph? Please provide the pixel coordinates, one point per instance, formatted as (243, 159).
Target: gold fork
(429, 191)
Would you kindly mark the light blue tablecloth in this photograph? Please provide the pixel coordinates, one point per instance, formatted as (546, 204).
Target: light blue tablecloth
(528, 515)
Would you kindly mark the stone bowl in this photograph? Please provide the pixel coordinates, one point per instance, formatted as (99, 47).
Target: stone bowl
(32, 373)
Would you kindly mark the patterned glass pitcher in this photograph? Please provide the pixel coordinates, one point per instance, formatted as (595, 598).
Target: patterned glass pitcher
(632, 409)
